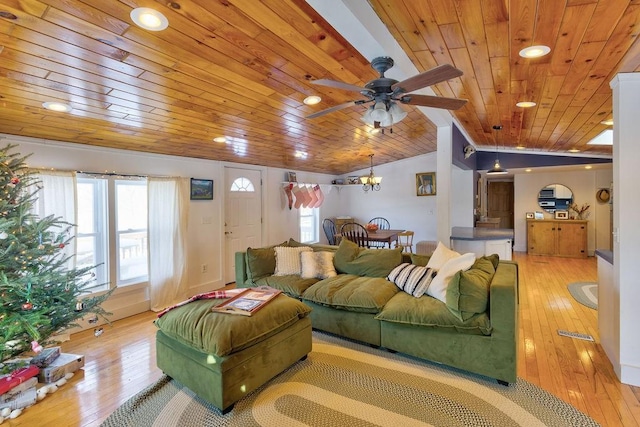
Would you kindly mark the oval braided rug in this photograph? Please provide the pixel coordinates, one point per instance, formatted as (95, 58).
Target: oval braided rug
(343, 383)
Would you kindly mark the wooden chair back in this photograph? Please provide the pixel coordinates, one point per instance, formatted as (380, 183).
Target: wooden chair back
(330, 231)
(356, 233)
(405, 239)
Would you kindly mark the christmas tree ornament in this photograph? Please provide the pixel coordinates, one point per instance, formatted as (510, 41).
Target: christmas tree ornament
(98, 331)
(79, 306)
(27, 306)
(3, 235)
(15, 180)
(61, 245)
(93, 319)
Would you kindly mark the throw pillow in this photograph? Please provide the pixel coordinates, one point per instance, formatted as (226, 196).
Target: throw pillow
(347, 252)
(317, 265)
(440, 256)
(374, 262)
(468, 291)
(261, 261)
(288, 260)
(411, 278)
(439, 284)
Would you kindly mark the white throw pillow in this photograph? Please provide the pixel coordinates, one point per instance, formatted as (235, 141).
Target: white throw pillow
(288, 259)
(317, 264)
(411, 278)
(439, 284)
(440, 256)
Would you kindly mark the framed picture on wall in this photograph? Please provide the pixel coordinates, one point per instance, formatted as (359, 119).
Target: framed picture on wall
(529, 215)
(201, 189)
(426, 184)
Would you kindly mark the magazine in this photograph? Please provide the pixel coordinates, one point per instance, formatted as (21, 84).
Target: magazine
(248, 302)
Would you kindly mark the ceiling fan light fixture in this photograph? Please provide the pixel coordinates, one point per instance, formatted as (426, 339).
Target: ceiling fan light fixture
(535, 51)
(149, 19)
(397, 113)
(366, 117)
(379, 112)
(220, 139)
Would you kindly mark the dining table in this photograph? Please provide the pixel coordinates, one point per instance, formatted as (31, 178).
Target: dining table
(384, 236)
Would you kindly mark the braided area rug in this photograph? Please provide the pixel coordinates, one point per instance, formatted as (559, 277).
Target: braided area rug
(343, 383)
(586, 293)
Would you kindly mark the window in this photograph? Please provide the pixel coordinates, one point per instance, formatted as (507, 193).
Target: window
(112, 229)
(309, 225)
(242, 184)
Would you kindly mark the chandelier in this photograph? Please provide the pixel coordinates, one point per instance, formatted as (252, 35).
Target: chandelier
(371, 182)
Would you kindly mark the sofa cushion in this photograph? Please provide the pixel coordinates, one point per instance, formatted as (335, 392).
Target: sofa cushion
(429, 312)
(468, 291)
(439, 284)
(195, 325)
(411, 278)
(292, 285)
(317, 247)
(421, 260)
(261, 262)
(352, 259)
(351, 292)
(288, 260)
(317, 264)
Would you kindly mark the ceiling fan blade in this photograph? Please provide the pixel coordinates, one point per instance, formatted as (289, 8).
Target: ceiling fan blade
(428, 78)
(433, 101)
(340, 85)
(332, 109)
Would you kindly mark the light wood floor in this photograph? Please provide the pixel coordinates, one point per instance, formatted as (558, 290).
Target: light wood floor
(121, 361)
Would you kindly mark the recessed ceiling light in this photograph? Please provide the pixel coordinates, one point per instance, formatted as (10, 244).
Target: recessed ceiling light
(300, 154)
(149, 19)
(520, 147)
(526, 104)
(574, 150)
(312, 100)
(535, 51)
(588, 167)
(219, 139)
(57, 106)
(608, 122)
(528, 170)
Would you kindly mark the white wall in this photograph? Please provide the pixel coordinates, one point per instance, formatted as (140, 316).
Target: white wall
(584, 185)
(397, 200)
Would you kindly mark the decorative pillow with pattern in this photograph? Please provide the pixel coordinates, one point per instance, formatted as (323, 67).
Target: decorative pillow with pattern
(288, 260)
(411, 278)
(317, 265)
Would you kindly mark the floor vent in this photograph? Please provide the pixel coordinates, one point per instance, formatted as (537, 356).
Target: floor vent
(575, 335)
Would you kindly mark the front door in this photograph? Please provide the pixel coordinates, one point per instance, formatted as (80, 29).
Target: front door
(243, 214)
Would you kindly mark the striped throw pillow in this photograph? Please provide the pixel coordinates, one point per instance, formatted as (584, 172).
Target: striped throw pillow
(411, 278)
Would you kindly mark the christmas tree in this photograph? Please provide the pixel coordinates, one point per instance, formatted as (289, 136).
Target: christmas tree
(39, 296)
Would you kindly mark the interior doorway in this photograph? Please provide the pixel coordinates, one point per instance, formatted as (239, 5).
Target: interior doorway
(500, 202)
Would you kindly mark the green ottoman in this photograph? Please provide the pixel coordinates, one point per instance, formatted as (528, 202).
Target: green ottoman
(222, 357)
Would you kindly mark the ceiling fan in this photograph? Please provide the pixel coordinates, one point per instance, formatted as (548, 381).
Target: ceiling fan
(385, 93)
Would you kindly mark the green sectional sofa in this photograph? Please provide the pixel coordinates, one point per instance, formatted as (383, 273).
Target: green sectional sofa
(474, 330)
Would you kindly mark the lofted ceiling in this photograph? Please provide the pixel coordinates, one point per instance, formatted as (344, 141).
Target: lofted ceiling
(241, 69)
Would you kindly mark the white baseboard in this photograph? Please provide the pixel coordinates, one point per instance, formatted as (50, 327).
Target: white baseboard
(630, 375)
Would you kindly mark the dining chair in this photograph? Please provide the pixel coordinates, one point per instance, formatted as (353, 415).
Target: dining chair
(329, 228)
(383, 224)
(405, 239)
(356, 233)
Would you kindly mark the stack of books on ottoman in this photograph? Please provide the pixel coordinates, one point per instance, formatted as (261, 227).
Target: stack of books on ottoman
(18, 388)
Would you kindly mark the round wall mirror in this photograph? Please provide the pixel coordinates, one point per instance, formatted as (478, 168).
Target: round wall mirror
(555, 197)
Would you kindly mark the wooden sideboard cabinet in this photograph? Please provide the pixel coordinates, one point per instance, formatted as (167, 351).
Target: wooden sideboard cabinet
(567, 238)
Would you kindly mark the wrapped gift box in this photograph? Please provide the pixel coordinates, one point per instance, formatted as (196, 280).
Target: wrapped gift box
(46, 357)
(21, 396)
(62, 365)
(17, 377)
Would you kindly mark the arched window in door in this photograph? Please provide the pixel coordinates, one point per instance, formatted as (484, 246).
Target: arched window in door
(242, 184)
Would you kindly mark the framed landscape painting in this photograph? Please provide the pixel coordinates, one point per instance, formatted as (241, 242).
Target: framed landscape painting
(201, 189)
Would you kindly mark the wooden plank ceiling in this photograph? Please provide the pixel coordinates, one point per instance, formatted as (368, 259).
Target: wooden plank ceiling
(241, 69)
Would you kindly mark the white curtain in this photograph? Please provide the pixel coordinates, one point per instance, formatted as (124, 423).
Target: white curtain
(168, 215)
(58, 197)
